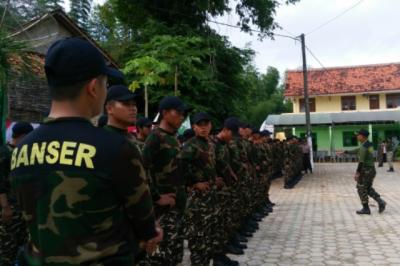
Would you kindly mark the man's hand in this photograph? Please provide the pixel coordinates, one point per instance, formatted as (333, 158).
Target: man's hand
(357, 177)
(6, 214)
(219, 182)
(152, 244)
(167, 199)
(202, 186)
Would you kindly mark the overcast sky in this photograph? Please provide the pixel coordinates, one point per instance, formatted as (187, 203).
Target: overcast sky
(367, 34)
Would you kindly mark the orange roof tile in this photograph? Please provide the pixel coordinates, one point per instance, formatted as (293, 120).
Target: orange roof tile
(345, 80)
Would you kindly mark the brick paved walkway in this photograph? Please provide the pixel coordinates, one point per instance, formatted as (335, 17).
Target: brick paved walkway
(315, 223)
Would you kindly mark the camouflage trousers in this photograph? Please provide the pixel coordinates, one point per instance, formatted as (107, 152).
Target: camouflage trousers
(364, 185)
(13, 235)
(236, 207)
(201, 224)
(170, 251)
(225, 213)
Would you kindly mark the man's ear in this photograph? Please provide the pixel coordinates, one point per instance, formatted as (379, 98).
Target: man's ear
(108, 107)
(91, 88)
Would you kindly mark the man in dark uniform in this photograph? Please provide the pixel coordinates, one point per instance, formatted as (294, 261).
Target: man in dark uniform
(366, 173)
(12, 227)
(161, 158)
(143, 127)
(121, 110)
(82, 189)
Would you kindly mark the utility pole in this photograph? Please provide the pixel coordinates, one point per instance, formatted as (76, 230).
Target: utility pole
(306, 100)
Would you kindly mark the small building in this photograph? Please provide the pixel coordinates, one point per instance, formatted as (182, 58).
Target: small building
(343, 100)
(28, 95)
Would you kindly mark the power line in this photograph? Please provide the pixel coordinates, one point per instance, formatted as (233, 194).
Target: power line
(334, 18)
(316, 58)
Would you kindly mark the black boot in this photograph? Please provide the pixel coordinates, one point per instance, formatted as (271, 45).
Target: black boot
(222, 259)
(391, 169)
(233, 250)
(240, 238)
(364, 210)
(381, 205)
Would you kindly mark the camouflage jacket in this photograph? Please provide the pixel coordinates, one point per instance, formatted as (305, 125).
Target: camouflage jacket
(161, 156)
(83, 194)
(5, 160)
(239, 158)
(222, 160)
(140, 144)
(198, 161)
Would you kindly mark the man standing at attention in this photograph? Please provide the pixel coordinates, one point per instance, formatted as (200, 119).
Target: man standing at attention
(82, 189)
(161, 158)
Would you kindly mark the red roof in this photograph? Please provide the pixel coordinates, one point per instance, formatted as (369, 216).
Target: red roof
(345, 80)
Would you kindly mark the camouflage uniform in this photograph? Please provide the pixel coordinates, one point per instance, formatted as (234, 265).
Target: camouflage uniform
(367, 172)
(12, 234)
(198, 162)
(140, 144)
(239, 163)
(267, 167)
(83, 195)
(225, 197)
(161, 158)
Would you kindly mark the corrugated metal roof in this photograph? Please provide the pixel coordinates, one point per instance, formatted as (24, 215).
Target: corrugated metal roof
(335, 118)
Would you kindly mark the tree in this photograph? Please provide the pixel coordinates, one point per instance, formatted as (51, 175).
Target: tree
(195, 13)
(146, 71)
(181, 54)
(80, 12)
(49, 5)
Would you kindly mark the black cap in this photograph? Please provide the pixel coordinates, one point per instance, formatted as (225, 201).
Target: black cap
(197, 118)
(255, 130)
(232, 123)
(120, 93)
(21, 128)
(173, 102)
(71, 60)
(144, 122)
(363, 132)
(245, 125)
(265, 133)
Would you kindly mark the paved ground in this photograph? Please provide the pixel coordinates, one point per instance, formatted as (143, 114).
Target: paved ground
(315, 223)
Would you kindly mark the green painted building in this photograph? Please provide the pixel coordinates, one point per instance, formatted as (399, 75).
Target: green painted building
(343, 100)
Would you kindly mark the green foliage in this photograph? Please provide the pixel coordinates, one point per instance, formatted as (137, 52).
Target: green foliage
(7, 48)
(146, 71)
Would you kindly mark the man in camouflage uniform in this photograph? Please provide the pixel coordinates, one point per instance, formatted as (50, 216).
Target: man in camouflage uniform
(227, 199)
(161, 158)
(12, 227)
(143, 127)
(239, 161)
(268, 164)
(366, 173)
(199, 170)
(288, 162)
(121, 111)
(82, 189)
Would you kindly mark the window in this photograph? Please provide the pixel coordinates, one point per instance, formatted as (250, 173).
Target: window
(349, 139)
(348, 103)
(311, 104)
(393, 100)
(373, 102)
